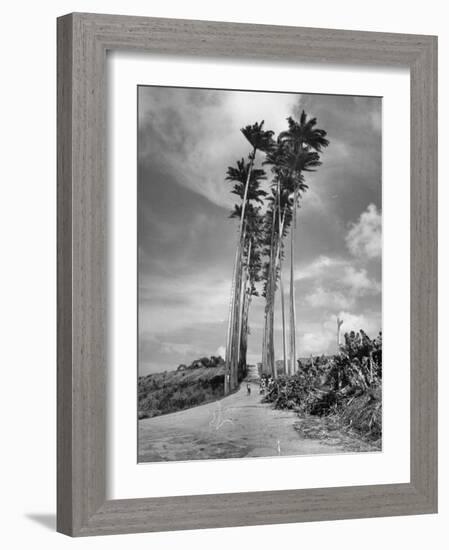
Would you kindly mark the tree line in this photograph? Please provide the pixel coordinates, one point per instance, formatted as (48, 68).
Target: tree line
(270, 183)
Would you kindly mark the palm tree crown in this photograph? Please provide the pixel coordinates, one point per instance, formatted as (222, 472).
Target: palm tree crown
(259, 139)
(240, 173)
(303, 134)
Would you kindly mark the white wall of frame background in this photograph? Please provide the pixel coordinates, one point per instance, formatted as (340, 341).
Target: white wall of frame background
(27, 287)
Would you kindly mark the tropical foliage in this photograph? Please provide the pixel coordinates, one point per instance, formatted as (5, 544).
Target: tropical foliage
(347, 385)
(247, 186)
(267, 213)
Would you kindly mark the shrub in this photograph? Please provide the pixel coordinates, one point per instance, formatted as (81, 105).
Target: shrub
(349, 385)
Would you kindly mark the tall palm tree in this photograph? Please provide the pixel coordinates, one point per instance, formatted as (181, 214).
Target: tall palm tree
(282, 201)
(262, 232)
(281, 218)
(246, 184)
(301, 145)
(277, 219)
(304, 135)
(247, 180)
(250, 273)
(260, 140)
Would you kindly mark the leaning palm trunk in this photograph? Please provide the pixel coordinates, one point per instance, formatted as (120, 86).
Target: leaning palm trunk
(236, 328)
(292, 290)
(284, 335)
(228, 366)
(241, 316)
(266, 354)
(245, 330)
(269, 365)
(233, 321)
(233, 324)
(281, 284)
(276, 267)
(242, 338)
(264, 343)
(272, 357)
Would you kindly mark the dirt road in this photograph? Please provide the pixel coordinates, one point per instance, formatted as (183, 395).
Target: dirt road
(237, 426)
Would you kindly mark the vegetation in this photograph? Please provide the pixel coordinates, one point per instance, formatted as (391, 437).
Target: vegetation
(247, 180)
(188, 386)
(346, 386)
(264, 221)
(295, 152)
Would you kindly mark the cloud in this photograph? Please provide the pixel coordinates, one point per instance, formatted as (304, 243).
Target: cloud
(340, 288)
(160, 351)
(195, 134)
(157, 354)
(177, 348)
(316, 342)
(220, 351)
(322, 338)
(335, 283)
(358, 282)
(364, 239)
(180, 301)
(328, 299)
(370, 322)
(318, 267)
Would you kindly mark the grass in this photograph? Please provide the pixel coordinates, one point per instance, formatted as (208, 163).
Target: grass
(171, 391)
(331, 431)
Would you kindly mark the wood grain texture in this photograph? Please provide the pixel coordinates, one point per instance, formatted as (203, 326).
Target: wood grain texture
(424, 276)
(64, 277)
(83, 40)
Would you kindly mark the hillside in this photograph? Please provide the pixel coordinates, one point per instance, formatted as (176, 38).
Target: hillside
(188, 386)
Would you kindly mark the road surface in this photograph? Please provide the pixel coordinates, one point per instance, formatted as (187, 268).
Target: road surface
(236, 426)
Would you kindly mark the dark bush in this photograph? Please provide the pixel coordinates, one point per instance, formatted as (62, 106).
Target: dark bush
(347, 384)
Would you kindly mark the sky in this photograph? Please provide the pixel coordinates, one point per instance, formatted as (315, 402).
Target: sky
(186, 242)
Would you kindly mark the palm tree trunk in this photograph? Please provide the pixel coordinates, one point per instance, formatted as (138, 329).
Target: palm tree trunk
(281, 284)
(265, 358)
(275, 246)
(262, 358)
(269, 306)
(233, 325)
(284, 339)
(270, 340)
(243, 292)
(236, 328)
(245, 329)
(245, 195)
(238, 289)
(265, 341)
(292, 290)
(228, 358)
(243, 334)
(272, 359)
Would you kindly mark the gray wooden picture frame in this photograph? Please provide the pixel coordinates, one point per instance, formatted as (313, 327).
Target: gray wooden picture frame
(83, 40)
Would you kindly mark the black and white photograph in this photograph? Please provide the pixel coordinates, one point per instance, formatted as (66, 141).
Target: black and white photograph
(259, 274)
(214, 216)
